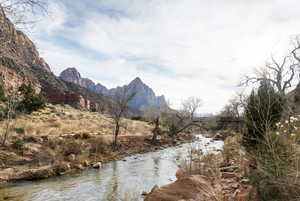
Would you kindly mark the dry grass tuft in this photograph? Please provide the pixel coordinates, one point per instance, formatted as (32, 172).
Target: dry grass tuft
(58, 120)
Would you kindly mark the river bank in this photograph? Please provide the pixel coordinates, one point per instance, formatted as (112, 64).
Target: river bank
(47, 157)
(131, 175)
(212, 177)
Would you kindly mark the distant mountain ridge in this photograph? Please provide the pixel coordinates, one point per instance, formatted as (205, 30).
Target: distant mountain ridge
(144, 95)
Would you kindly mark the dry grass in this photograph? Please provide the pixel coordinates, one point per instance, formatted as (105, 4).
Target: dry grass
(277, 162)
(197, 163)
(57, 120)
(130, 196)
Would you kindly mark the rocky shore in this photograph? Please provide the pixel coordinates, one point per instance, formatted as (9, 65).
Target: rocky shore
(40, 159)
(225, 179)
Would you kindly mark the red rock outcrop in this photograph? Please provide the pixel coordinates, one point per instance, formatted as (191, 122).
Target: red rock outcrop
(193, 187)
(21, 64)
(11, 79)
(16, 45)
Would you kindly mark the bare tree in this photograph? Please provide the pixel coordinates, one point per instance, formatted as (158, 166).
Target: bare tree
(178, 121)
(12, 97)
(118, 107)
(20, 11)
(190, 106)
(279, 73)
(234, 108)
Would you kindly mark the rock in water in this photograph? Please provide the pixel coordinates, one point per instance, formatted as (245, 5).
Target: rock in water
(97, 165)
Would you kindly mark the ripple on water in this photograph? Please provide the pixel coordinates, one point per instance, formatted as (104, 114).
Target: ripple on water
(138, 173)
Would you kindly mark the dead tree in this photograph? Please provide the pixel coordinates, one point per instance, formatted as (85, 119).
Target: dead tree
(12, 97)
(279, 73)
(118, 107)
(21, 11)
(179, 121)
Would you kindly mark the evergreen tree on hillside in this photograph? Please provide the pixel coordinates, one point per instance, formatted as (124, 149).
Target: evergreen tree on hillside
(30, 101)
(263, 110)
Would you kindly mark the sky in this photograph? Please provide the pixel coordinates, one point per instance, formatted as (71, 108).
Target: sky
(180, 48)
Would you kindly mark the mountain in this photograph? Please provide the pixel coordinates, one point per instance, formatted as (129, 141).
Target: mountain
(20, 63)
(144, 95)
(73, 76)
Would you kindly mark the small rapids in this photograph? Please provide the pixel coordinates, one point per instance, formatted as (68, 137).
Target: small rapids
(133, 174)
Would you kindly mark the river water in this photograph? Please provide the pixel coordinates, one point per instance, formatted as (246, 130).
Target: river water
(132, 175)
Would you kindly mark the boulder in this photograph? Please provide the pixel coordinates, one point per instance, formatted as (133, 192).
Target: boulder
(33, 174)
(97, 165)
(86, 163)
(180, 173)
(190, 187)
(71, 157)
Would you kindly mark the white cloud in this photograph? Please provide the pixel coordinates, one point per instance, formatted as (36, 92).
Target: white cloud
(203, 46)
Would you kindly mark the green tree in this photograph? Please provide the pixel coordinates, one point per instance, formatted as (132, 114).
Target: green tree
(263, 110)
(30, 101)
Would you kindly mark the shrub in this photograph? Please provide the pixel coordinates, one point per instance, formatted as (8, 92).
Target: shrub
(19, 130)
(31, 101)
(53, 143)
(137, 118)
(275, 176)
(2, 94)
(98, 145)
(18, 144)
(263, 110)
(196, 162)
(71, 147)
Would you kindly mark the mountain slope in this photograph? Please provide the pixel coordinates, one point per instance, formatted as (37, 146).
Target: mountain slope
(144, 95)
(19, 57)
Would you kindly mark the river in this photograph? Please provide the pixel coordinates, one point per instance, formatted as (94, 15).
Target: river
(132, 175)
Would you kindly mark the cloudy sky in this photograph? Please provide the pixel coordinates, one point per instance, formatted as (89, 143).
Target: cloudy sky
(180, 48)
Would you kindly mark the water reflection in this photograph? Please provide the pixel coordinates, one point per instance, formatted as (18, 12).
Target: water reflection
(138, 173)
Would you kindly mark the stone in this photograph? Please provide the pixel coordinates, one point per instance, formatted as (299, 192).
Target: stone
(33, 174)
(190, 188)
(229, 168)
(228, 175)
(71, 157)
(245, 194)
(79, 167)
(97, 165)
(180, 173)
(86, 163)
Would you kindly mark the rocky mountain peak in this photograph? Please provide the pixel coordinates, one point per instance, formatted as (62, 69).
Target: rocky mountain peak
(144, 95)
(137, 80)
(71, 75)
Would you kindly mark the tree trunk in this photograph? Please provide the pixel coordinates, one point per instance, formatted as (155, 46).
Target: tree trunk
(117, 129)
(155, 130)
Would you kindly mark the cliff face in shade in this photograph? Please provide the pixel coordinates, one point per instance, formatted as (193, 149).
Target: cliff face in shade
(20, 63)
(144, 95)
